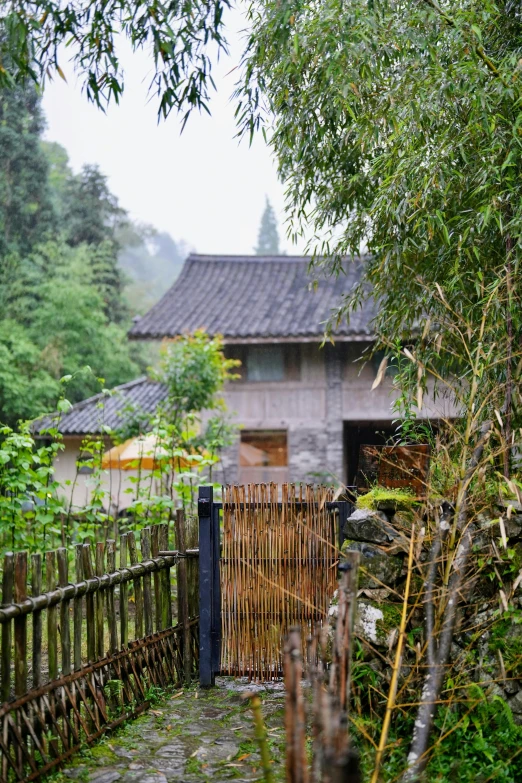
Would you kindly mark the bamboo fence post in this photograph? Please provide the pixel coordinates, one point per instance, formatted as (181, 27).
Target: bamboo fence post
(183, 603)
(78, 607)
(65, 632)
(36, 589)
(192, 542)
(138, 589)
(166, 601)
(295, 720)
(7, 598)
(89, 604)
(111, 611)
(124, 595)
(147, 591)
(20, 624)
(52, 629)
(155, 530)
(100, 640)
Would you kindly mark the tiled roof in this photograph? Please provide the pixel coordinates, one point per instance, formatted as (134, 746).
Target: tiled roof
(89, 416)
(255, 298)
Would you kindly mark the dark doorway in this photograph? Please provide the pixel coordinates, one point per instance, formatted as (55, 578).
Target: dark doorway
(356, 434)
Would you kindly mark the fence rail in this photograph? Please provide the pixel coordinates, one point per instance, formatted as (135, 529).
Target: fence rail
(80, 656)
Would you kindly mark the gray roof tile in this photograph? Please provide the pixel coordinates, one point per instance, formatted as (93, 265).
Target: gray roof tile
(113, 411)
(254, 298)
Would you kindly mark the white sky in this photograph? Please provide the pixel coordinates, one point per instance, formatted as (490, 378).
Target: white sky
(202, 186)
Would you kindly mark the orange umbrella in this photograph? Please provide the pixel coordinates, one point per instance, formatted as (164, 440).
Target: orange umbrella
(145, 452)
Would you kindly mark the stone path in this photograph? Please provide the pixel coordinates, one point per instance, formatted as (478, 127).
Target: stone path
(191, 735)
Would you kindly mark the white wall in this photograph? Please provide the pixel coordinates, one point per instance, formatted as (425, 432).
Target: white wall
(79, 487)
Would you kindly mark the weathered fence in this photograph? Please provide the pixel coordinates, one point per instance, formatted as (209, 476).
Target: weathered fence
(79, 656)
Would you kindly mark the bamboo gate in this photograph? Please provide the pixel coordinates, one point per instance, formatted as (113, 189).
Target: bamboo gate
(268, 562)
(79, 655)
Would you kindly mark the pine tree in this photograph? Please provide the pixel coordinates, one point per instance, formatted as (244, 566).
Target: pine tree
(268, 237)
(26, 209)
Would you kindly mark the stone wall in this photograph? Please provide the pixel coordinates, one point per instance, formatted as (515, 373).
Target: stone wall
(382, 538)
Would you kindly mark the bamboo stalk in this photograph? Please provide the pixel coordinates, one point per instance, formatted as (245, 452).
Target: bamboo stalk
(90, 621)
(138, 589)
(147, 589)
(396, 666)
(52, 630)
(7, 598)
(78, 609)
(155, 548)
(124, 595)
(20, 624)
(111, 611)
(65, 632)
(36, 589)
(100, 635)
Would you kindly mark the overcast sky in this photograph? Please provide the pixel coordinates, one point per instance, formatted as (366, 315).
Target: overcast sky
(202, 186)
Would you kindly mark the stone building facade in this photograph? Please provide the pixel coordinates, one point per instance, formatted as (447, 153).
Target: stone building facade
(303, 409)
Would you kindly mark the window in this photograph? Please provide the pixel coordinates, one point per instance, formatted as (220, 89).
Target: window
(265, 363)
(391, 369)
(263, 448)
(85, 463)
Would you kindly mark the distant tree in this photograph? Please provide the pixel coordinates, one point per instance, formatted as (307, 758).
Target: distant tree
(26, 209)
(268, 237)
(92, 212)
(91, 216)
(151, 260)
(59, 174)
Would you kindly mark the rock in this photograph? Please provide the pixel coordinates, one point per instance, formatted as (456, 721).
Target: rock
(513, 526)
(379, 568)
(372, 527)
(516, 705)
(107, 776)
(368, 615)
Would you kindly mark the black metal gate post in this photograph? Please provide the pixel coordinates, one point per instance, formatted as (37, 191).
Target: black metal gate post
(209, 587)
(206, 558)
(215, 630)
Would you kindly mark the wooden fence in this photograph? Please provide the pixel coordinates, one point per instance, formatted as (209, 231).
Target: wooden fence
(79, 656)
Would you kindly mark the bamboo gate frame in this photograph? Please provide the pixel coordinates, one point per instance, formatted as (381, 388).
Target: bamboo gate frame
(267, 566)
(94, 686)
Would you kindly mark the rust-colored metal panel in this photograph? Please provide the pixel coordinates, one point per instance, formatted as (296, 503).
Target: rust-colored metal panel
(395, 467)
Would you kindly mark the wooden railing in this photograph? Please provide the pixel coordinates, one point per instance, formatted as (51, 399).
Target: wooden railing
(79, 656)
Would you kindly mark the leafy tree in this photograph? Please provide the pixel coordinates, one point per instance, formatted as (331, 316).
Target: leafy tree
(26, 210)
(26, 384)
(268, 237)
(72, 328)
(177, 34)
(405, 139)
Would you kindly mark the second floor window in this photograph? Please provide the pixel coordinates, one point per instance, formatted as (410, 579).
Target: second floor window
(265, 363)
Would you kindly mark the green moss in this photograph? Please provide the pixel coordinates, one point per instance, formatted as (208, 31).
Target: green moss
(401, 499)
(101, 752)
(193, 766)
(391, 616)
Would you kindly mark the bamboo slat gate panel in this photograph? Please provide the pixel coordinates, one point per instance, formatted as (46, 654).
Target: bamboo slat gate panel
(80, 657)
(278, 570)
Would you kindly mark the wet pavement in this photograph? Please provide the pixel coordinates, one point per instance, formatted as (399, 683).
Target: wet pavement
(190, 735)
